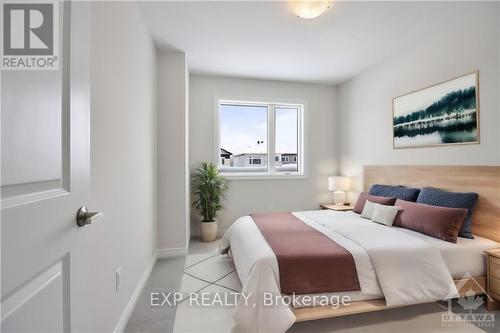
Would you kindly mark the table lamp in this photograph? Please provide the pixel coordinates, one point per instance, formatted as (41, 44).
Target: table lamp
(338, 185)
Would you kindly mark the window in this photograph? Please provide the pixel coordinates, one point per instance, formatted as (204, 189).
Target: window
(254, 160)
(261, 139)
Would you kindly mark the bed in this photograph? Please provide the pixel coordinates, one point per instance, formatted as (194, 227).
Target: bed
(410, 268)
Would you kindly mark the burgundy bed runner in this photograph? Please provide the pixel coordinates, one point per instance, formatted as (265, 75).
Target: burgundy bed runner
(309, 262)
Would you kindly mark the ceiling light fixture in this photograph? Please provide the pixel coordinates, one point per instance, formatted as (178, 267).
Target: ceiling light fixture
(309, 9)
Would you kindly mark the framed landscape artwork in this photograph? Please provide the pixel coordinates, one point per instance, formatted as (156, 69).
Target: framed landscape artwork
(443, 114)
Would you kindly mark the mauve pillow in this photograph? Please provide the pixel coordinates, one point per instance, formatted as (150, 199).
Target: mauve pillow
(467, 200)
(360, 203)
(438, 222)
(400, 192)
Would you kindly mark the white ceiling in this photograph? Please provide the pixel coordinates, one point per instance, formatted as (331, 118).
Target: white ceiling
(265, 40)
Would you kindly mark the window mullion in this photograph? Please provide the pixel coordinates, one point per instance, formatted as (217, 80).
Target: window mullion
(271, 139)
(300, 139)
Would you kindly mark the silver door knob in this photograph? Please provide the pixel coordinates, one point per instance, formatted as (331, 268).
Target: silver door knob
(84, 217)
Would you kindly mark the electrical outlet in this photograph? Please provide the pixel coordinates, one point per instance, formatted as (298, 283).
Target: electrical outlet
(117, 278)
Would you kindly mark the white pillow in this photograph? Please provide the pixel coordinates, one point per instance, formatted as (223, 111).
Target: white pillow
(368, 209)
(385, 214)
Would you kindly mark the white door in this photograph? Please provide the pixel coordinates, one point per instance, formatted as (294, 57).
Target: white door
(45, 179)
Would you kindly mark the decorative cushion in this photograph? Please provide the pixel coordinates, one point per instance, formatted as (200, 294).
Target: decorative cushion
(400, 192)
(437, 197)
(384, 214)
(360, 203)
(438, 222)
(368, 209)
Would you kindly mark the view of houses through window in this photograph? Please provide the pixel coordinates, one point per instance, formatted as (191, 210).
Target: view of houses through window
(249, 133)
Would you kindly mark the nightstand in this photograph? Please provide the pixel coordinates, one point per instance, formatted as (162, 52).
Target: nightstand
(341, 208)
(493, 278)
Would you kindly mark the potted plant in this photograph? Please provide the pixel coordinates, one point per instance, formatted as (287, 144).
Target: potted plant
(208, 188)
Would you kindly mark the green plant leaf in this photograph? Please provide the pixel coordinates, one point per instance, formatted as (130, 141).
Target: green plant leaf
(208, 189)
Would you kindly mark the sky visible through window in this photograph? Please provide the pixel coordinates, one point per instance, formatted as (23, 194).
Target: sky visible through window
(243, 128)
(286, 130)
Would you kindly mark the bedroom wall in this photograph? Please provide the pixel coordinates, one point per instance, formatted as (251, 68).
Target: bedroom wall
(247, 196)
(173, 140)
(123, 161)
(469, 40)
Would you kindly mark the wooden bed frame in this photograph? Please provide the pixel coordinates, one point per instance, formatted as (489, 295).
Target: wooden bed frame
(484, 180)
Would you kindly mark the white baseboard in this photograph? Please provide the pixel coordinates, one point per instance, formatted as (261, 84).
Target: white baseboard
(122, 322)
(171, 253)
(160, 253)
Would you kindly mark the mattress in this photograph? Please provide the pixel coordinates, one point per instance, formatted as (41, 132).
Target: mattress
(463, 258)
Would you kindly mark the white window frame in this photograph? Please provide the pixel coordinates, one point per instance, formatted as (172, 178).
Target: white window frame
(272, 104)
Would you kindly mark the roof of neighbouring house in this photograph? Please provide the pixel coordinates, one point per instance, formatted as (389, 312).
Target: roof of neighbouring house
(225, 152)
(257, 154)
(251, 154)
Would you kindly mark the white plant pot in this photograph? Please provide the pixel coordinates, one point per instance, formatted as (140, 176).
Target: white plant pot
(208, 231)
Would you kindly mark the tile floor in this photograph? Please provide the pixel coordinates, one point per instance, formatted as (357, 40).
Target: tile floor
(213, 275)
(205, 271)
(202, 270)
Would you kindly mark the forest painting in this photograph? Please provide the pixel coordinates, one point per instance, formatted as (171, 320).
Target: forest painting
(446, 113)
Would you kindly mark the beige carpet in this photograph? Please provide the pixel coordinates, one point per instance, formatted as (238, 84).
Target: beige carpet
(212, 273)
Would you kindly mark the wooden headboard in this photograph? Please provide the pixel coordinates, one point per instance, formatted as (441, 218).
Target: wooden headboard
(484, 180)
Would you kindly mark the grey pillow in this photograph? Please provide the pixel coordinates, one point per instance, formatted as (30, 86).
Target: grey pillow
(467, 200)
(400, 192)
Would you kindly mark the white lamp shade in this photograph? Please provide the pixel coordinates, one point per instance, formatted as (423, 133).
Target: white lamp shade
(338, 183)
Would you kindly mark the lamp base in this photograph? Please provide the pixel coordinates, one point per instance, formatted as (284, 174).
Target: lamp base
(339, 197)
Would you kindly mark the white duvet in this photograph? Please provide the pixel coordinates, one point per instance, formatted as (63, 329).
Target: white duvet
(390, 263)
